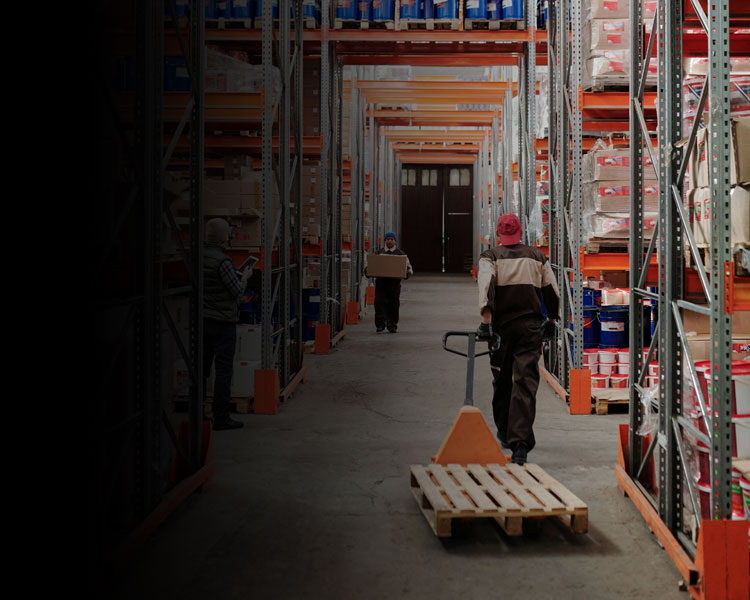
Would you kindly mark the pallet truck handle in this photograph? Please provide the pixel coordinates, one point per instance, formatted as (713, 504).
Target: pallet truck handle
(447, 334)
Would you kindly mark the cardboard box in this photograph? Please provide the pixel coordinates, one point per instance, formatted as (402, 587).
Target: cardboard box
(222, 186)
(380, 265)
(739, 159)
(247, 234)
(213, 203)
(614, 196)
(613, 165)
(606, 9)
(606, 34)
(311, 230)
(739, 199)
(698, 327)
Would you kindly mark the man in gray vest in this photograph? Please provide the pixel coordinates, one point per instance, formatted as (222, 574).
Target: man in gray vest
(222, 289)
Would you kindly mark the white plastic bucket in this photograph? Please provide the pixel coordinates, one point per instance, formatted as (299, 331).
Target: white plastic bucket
(607, 356)
(243, 378)
(590, 356)
(619, 381)
(600, 382)
(593, 367)
(742, 393)
(623, 369)
(623, 356)
(606, 368)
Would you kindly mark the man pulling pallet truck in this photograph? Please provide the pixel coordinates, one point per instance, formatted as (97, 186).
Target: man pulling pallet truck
(512, 280)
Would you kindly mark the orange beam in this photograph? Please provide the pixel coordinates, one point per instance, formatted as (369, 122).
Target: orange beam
(614, 100)
(435, 159)
(450, 85)
(472, 148)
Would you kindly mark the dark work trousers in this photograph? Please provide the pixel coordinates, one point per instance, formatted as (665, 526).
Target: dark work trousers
(219, 339)
(387, 301)
(515, 370)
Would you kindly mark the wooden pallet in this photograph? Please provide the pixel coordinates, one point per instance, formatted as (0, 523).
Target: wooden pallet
(242, 406)
(603, 399)
(229, 23)
(596, 245)
(507, 494)
(310, 240)
(428, 24)
(493, 24)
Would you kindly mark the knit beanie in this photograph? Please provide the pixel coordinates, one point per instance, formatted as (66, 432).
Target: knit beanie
(390, 234)
(217, 231)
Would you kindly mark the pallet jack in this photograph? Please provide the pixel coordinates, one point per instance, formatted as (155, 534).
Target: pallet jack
(470, 476)
(470, 439)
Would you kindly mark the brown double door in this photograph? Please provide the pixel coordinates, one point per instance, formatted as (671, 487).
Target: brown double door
(437, 217)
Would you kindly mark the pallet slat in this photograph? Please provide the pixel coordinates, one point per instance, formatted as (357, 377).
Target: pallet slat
(507, 494)
(539, 492)
(479, 497)
(499, 494)
(457, 497)
(569, 498)
(515, 488)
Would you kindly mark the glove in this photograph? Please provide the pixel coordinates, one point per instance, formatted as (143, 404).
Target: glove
(549, 330)
(484, 331)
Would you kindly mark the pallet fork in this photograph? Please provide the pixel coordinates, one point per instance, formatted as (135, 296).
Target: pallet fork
(470, 440)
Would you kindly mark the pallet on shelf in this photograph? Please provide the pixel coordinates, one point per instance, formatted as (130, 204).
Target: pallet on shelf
(351, 24)
(493, 24)
(313, 241)
(508, 494)
(223, 23)
(604, 398)
(429, 24)
(595, 246)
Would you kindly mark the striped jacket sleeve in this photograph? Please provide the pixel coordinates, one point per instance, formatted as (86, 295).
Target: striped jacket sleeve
(550, 291)
(486, 279)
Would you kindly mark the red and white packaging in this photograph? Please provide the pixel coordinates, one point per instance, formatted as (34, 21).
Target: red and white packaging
(600, 382)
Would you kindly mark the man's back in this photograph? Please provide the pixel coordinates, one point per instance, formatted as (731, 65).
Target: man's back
(512, 280)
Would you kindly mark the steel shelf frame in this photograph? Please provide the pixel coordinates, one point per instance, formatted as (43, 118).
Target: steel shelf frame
(281, 287)
(670, 238)
(566, 203)
(144, 427)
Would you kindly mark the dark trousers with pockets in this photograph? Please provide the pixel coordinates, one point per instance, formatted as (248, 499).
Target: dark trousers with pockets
(515, 369)
(219, 339)
(387, 301)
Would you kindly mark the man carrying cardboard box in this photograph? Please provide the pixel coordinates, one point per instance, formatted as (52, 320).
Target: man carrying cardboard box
(388, 289)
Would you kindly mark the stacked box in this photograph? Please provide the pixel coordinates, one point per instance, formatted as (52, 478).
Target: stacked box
(606, 176)
(346, 278)
(311, 98)
(699, 197)
(606, 42)
(309, 204)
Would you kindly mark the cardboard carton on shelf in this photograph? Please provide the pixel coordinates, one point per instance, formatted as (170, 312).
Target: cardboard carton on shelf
(739, 154)
(606, 34)
(380, 265)
(698, 328)
(606, 9)
(739, 198)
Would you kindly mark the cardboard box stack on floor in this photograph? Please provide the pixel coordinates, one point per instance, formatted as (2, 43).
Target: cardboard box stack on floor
(606, 188)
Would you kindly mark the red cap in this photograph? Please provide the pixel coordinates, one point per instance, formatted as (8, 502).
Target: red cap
(509, 229)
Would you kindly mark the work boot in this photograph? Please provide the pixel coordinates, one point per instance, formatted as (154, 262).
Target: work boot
(392, 329)
(227, 423)
(519, 454)
(379, 329)
(503, 444)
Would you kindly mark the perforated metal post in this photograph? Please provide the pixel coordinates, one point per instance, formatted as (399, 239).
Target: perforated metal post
(268, 186)
(670, 264)
(721, 259)
(325, 152)
(636, 234)
(285, 181)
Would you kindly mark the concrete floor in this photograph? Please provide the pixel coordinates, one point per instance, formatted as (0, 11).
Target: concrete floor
(315, 502)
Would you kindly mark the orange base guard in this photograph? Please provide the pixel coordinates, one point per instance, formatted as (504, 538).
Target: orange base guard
(722, 559)
(267, 392)
(352, 313)
(580, 392)
(322, 339)
(370, 295)
(470, 441)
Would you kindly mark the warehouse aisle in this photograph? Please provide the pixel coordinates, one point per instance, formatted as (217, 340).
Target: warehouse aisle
(315, 503)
